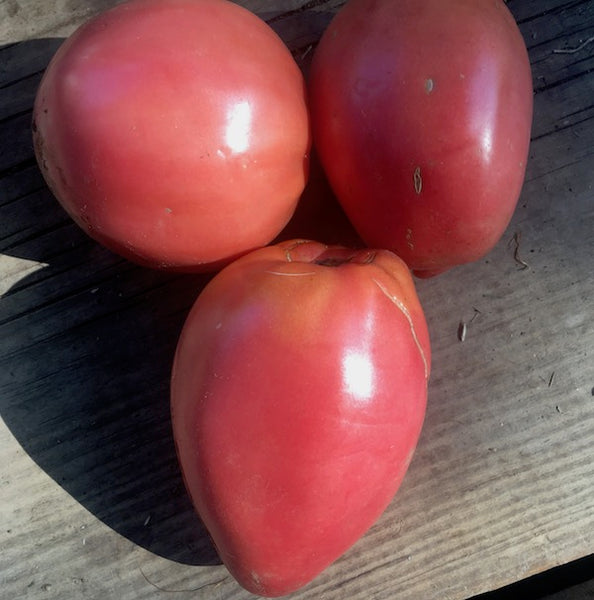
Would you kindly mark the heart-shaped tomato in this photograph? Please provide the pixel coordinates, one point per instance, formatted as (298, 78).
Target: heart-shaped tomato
(421, 113)
(298, 394)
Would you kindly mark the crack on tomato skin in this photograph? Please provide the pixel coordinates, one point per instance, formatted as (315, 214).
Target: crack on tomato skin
(418, 180)
(402, 308)
(286, 274)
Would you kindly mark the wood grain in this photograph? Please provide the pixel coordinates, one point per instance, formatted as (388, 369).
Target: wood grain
(502, 486)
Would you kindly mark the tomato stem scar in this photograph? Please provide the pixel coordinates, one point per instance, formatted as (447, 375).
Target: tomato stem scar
(295, 245)
(335, 260)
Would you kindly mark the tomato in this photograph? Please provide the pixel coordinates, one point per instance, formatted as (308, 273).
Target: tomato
(298, 393)
(421, 113)
(175, 132)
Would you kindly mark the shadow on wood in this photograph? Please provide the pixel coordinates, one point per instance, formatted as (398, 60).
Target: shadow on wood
(87, 343)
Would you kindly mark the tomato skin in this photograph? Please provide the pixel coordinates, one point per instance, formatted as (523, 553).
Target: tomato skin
(421, 113)
(298, 394)
(175, 132)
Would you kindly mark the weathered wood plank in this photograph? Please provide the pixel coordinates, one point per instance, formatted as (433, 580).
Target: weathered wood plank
(502, 486)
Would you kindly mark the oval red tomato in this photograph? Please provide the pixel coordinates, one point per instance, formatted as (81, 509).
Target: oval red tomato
(421, 112)
(298, 394)
(175, 132)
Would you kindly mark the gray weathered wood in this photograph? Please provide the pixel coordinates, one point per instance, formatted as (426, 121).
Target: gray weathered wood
(502, 485)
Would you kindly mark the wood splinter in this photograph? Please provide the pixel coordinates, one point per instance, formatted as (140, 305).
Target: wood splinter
(516, 242)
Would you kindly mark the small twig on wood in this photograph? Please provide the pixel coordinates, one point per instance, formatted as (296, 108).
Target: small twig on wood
(307, 51)
(178, 591)
(463, 325)
(551, 378)
(574, 50)
(516, 242)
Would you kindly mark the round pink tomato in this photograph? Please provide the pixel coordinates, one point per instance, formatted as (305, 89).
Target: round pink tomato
(298, 393)
(421, 113)
(175, 132)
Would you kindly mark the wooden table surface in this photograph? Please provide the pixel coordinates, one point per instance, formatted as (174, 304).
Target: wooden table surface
(502, 485)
